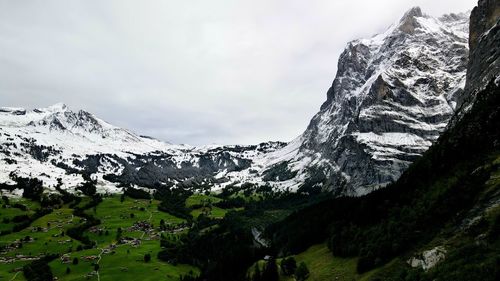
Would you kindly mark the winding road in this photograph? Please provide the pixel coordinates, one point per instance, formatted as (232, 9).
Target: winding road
(99, 260)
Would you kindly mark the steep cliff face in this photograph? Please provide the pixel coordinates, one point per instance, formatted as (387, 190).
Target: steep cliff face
(391, 98)
(483, 17)
(484, 52)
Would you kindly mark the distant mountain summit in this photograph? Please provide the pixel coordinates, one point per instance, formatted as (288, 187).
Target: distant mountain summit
(56, 142)
(81, 130)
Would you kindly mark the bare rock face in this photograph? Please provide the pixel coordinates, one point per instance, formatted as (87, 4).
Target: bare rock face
(409, 21)
(428, 259)
(484, 55)
(392, 96)
(484, 37)
(483, 17)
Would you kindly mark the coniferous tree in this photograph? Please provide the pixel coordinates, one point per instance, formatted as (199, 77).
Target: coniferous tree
(302, 272)
(288, 266)
(257, 275)
(88, 187)
(270, 272)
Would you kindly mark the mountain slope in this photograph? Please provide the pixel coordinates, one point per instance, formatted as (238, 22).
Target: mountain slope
(55, 142)
(81, 131)
(441, 219)
(392, 96)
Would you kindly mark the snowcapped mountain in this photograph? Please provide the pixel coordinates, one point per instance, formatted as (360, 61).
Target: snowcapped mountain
(392, 96)
(81, 132)
(55, 142)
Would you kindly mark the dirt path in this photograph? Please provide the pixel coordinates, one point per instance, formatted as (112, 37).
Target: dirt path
(99, 260)
(15, 275)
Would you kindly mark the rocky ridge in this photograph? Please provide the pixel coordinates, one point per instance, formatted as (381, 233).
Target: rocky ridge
(392, 96)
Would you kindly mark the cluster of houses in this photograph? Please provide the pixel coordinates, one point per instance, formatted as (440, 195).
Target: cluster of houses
(91, 274)
(50, 225)
(16, 258)
(39, 229)
(109, 250)
(174, 227)
(96, 229)
(15, 245)
(90, 258)
(134, 242)
(154, 234)
(67, 241)
(140, 226)
(60, 223)
(66, 258)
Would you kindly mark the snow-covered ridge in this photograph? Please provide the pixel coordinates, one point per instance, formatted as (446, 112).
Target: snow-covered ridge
(56, 142)
(81, 131)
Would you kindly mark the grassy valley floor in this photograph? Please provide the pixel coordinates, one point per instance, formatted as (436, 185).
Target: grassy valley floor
(128, 231)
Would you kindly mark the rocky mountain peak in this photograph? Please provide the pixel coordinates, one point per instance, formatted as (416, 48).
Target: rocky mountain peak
(60, 117)
(408, 22)
(391, 97)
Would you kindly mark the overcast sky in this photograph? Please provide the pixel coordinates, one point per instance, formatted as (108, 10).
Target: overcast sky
(186, 71)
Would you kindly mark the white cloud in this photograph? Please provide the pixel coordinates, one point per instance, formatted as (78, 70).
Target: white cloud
(188, 71)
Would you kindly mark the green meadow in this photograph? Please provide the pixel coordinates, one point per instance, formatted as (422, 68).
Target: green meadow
(322, 265)
(129, 229)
